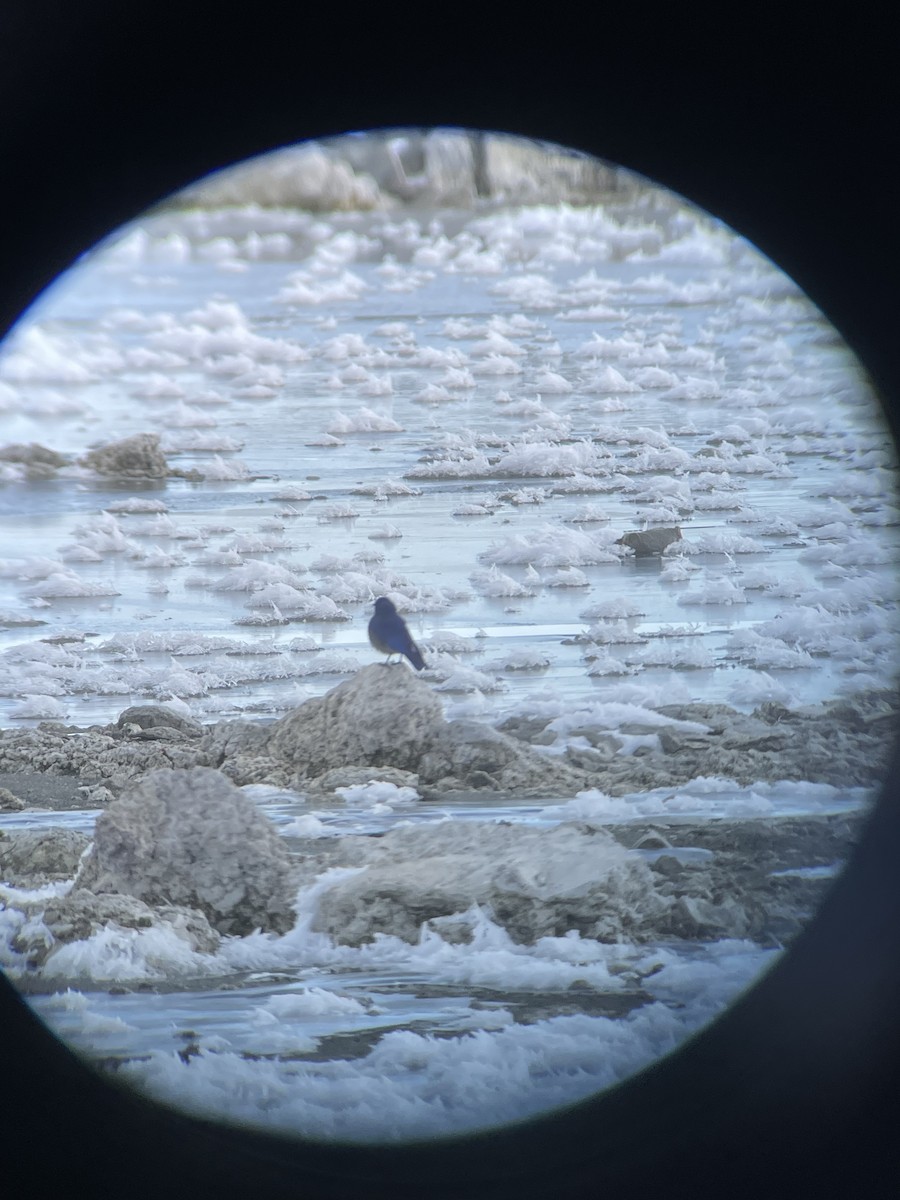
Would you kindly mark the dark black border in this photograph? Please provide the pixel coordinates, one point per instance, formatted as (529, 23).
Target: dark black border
(787, 133)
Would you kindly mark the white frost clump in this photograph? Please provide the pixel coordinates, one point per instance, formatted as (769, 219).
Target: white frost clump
(614, 609)
(336, 512)
(378, 795)
(717, 591)
(604, 663)
(305, 287)
(365, 421)
(567, 577)
(552, 546)
(678, 571)
(679, 658)
(308, 1002)
(757, 650)
(552, 382)
(547, 459)
(494, 583)
(721, 543)
(520, 660)
(67, 583)
(611, 380)
(587, 514)
(38, 708)
(217, 468)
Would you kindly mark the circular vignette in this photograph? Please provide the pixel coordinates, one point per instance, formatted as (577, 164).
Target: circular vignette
(802, 1061)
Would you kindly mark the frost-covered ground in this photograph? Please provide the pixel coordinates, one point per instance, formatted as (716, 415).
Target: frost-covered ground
(464, 412)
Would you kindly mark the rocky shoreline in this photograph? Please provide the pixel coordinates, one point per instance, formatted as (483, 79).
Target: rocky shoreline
(189, 854)
(386, 724)
(178, 846)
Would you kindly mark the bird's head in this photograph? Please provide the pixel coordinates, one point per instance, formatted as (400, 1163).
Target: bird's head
(384, 606)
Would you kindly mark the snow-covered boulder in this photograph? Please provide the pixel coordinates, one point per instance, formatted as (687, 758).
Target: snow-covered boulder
(385, 716)
(80, 914)
(382, 716)
(535, 883)
(192, 838)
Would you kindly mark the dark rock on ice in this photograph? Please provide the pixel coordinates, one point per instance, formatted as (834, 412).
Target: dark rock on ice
(136, 457)
(192, 838)
(647, 542)
(39, 462)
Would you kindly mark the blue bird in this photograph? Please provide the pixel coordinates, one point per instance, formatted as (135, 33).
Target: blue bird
(388, 633)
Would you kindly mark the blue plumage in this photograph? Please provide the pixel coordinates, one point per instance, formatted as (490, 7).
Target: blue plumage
(388, 633)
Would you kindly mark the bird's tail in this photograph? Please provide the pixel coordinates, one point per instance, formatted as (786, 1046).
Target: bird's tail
(415, 657)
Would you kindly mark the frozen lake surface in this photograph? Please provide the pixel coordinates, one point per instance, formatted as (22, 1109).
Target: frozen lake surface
(464, 412)
(467, 423)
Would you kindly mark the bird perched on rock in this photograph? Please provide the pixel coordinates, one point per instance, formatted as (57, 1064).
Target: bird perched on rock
(388, 633)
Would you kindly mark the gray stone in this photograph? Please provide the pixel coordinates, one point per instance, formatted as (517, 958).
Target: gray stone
(192, 838)
(647, 542)
(382, 716)
(526, 729)
(257, 769)
(136, 457)
(755, 735)
(546, 737)
(29, 856)
(31, 453)
(354, 776)
(694, 915)
(774, 713)
(604, 742)
(476, 756)
(10, 802)
(586, 758)
(228, 739)
(671, 741)
(151, 717)
(54, 763)
(39, 462)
